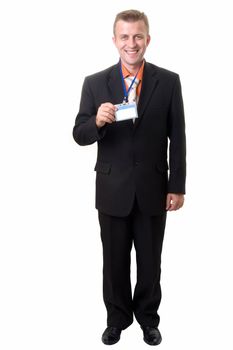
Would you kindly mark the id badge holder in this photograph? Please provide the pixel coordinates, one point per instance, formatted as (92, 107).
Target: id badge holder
(126, 111)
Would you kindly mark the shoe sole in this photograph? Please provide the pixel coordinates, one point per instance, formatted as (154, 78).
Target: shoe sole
(158, 342)
(110, 343)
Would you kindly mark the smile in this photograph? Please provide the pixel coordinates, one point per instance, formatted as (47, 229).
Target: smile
(131, 51)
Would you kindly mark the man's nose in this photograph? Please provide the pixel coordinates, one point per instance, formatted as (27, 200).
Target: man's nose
(132, 42)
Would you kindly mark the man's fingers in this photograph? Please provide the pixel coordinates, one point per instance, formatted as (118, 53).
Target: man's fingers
(108, 107)
(168, 203)
(109, 115)
(107, 110)
(175, 206)
(174, 202)
(107, 119)
(105, 114)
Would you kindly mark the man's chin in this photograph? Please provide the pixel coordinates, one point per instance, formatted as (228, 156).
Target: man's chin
(133, 62)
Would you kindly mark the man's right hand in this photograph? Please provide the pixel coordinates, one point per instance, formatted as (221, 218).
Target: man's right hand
(105, 114)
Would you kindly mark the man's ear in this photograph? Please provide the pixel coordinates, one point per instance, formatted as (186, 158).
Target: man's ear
(148, 40)
(114, 40)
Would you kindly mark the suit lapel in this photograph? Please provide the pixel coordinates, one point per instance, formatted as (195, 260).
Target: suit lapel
(149, 84)
(115, 85)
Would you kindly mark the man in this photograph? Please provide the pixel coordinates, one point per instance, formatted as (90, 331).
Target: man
(133, 189)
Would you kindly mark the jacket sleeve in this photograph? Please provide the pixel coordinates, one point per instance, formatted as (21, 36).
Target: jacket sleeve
(85, 131)
(177, 146)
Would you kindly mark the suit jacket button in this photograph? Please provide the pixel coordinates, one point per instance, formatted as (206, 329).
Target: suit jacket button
(136, 163)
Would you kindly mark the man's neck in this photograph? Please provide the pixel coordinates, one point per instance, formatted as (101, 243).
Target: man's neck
(133, 69)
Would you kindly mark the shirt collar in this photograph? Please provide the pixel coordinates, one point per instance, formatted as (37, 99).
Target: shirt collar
(127, 73)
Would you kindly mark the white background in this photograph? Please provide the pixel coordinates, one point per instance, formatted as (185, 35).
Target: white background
(50, 248)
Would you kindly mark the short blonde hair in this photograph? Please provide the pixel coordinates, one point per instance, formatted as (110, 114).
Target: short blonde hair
(131, 16)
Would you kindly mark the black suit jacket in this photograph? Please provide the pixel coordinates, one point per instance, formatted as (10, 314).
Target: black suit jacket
(132, 157)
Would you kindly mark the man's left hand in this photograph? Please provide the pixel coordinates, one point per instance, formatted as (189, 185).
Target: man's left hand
(174, 201)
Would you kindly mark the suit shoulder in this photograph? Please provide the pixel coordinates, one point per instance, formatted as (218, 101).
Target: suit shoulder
(163, 73)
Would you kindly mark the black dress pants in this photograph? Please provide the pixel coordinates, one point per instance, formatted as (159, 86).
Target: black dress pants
(117, 235)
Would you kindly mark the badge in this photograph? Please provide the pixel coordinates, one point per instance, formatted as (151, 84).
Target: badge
(126, 111)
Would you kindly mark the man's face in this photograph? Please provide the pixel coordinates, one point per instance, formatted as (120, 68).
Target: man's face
(131, 40)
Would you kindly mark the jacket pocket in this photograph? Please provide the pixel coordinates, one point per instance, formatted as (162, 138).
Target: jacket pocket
(103, 168)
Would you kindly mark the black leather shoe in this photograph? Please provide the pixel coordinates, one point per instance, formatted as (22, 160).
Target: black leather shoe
(111, 335)
(152, 335)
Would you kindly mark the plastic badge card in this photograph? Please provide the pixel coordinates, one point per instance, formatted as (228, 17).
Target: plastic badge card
(126, 111)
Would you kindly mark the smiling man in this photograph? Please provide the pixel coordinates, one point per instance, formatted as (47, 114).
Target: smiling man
(131, 42)
(132, 110)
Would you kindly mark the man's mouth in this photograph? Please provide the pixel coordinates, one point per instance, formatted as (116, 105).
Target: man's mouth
(131, 52)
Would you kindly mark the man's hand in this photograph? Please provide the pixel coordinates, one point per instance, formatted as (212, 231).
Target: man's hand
(105, 114)
(174, 201)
